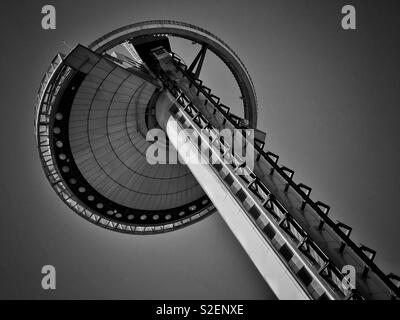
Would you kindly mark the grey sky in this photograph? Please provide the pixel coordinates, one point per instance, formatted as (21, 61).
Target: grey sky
(328, 99)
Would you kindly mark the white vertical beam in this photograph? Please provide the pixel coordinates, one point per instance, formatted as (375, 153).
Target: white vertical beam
(260, 252)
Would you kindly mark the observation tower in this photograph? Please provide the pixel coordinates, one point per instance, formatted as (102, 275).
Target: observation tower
(98, 105)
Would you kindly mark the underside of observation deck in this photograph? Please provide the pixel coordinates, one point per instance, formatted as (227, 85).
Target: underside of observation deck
(93, 114)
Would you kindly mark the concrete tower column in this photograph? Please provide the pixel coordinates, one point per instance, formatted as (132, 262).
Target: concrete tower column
(281, 281)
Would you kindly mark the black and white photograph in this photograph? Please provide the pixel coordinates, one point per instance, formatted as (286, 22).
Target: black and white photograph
(200, 155)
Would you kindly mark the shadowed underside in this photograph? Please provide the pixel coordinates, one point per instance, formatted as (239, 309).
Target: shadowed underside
(94, 111)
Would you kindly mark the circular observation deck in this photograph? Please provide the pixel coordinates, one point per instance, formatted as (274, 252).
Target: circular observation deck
(93, 113)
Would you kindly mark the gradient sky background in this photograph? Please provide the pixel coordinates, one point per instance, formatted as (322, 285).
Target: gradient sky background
(328, 99)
